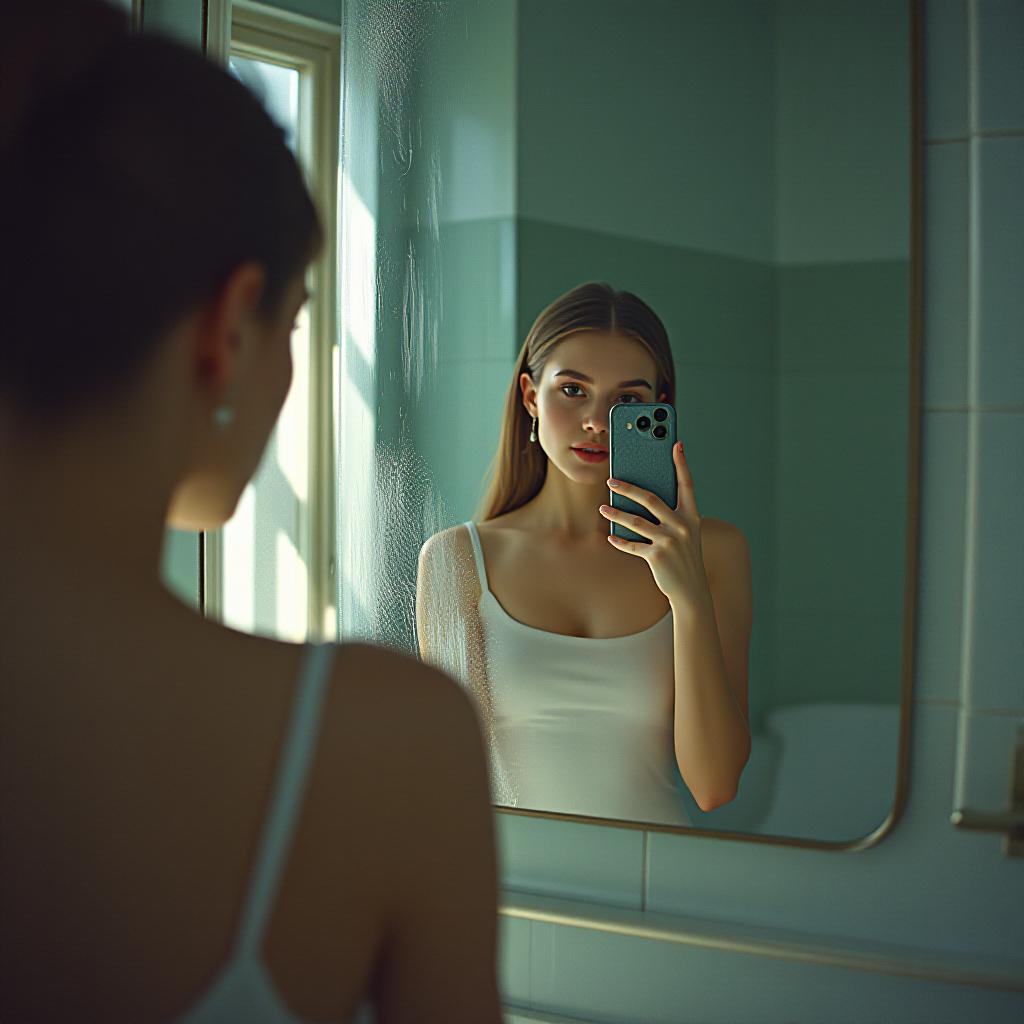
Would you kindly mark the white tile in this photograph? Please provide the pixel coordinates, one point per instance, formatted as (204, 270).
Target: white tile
(596, 976)
(999, 25)
(941, 556)
(995, 636)
(564, 858)
(945, 275)
(987, 744)
(926, 883)
(945, 69)
(999, 270)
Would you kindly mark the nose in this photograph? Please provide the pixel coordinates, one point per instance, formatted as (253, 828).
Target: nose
(595, 421)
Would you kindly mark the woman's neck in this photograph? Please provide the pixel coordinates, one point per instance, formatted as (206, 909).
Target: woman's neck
(570, 508)
(86, 500)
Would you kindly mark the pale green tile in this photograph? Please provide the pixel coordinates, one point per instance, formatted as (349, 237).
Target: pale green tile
(946, 200)
(514, 959)
(1000, 40)
(1000, 271)
(842, 657)
(945, 69)
(994, 678)
(843, 132)
(600, 977)
(562, 858)
(718, 310)
(844, 315)
(477, 314)
(458, 429)
(888, 890)
(842, 481)
(673, 145)
(941, 559)
(989, 743)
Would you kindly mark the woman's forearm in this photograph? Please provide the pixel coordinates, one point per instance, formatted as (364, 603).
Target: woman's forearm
(712, 740)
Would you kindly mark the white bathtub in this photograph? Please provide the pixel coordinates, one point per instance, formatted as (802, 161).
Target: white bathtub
(822, 771)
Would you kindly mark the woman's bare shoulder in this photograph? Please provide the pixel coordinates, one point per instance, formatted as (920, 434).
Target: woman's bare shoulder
(507, 529)
(725, 546)
(454, 540)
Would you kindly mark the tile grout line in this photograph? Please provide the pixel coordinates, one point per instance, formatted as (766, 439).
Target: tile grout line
(990, 133)
(1000, 410)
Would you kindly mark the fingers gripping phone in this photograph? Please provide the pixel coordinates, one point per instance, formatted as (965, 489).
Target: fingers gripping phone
(640, 440)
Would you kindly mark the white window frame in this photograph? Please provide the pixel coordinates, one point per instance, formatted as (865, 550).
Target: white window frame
(312, 48)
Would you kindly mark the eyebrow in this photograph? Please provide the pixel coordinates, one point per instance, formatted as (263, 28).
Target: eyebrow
(639, 382)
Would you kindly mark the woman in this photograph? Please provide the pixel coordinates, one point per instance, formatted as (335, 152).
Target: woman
(197, 824)
(603, 667)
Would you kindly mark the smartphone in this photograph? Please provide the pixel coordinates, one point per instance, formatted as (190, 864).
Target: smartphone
(640, 440)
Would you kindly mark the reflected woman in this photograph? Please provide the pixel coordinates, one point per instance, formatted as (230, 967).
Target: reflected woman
(604, 669)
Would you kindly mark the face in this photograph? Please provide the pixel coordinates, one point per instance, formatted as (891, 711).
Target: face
(587, 373)
(226, 458)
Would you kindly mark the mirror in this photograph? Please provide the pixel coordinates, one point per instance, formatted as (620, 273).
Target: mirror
(744, 168)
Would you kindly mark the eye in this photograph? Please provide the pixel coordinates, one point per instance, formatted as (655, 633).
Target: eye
(626, 398)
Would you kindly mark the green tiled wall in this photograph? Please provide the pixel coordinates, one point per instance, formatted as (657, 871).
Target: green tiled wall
(841, 472)
(510, 168)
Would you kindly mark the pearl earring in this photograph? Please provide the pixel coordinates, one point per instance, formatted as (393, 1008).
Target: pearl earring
(533, 430)
(223, 416)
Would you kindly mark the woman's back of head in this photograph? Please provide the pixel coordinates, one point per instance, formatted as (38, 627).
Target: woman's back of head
(135, 176)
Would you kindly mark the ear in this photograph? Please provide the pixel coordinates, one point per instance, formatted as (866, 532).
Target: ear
(529, 393)
(225, 323)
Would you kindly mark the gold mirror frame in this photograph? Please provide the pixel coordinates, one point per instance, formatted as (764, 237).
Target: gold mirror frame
(910, 559)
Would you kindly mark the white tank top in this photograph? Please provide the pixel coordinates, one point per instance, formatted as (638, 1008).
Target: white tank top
(582, 725)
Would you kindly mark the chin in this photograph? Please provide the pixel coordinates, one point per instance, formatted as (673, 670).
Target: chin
(200, 516)
(193, 523)
(581, 473)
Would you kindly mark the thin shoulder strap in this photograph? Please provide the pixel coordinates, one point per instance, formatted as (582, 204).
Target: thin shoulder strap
(478, 554)
(293, 767)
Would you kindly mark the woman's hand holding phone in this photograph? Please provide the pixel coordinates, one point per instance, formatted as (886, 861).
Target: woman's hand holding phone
(675, 554)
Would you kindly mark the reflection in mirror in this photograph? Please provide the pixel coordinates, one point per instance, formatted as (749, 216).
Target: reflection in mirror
(742, 169)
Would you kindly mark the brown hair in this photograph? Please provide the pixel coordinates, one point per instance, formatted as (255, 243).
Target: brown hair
(519, 466)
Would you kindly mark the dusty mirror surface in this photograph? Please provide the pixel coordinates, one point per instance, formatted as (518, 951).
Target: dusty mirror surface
(743, 168)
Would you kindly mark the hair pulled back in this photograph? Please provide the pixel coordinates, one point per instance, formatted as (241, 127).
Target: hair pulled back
(519, 467)
(135, 176)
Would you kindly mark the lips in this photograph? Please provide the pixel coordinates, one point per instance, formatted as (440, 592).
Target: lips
(599, 448)
(598, 456)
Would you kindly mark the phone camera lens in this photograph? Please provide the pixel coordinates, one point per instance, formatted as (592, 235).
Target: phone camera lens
(659, 431)
(643, 423)
(660, 415)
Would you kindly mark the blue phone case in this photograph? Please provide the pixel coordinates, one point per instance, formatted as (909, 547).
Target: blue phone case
(638, 457)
